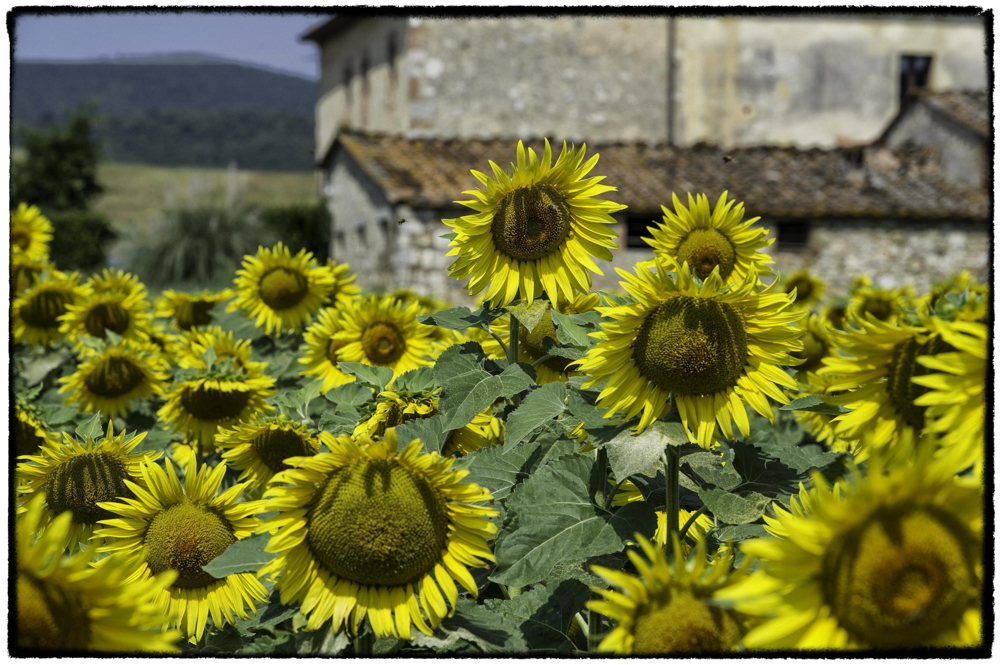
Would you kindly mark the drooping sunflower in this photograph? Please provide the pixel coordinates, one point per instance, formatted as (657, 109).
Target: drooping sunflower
(29, 431)
(30, 232)
(809, 289)
(531, 347)
(24, 272)
(200, 401)
(112, 379)
(887, 305)
(712, 348)
(366, 529)
(321, 350)
(194, 344)
(534, 231)
(890, 559)
(343, 288)
(65, 603)
(669, 608)
(816, 345)
(706, 239)
(260, 447)
(76, 476)
(484, 430)
(174, 527)
(35, 311)
(955, 397)
(280, 291)
(190, 310)
(94, 313)
(385, 333)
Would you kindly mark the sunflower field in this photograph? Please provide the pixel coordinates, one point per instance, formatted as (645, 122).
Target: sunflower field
(716, 458)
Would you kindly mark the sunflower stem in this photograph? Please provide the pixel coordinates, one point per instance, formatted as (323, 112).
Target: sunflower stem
(594, 626)
(512, 350)
(672, 468)
(602, 476)
(364, 644)
(611, 495)
(690, 522)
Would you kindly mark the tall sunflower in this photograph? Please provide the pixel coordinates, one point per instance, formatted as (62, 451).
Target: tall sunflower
(65, 603)
(28, 431)
(385, 333)
(194, 343)
(343, 288)
(706, 239)
(30, 232)
(321, 350)
(669, 608)
(366, 529)
(200, 401)
(35, 311)
(75, 476)
(956, 283)
(190, 310)
(890, 559)
(174, 527)
(703, 523)
(822, 425)
(531, 345)
(24, 272)
(885, 304)
(116, 281)
(534, 231)
(834, 312)
(111, 379)
(816, 346)
(280, 291)
(260, 447)
(712, 348)
(95, 313)
(809, 289)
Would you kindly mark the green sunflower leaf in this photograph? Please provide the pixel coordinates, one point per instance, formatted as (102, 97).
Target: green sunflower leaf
(725, 534)
(546, 614)
(349, 395)
(430, 431)
(530, 315)
(490, 632)
(36, 369)
(630, 454)
(415, 380)
(468, 388)
(733, 508)
(497, 468)
(461, 318)
(91, 429)
(243, 556)
(814, 404)
(376, 378)
(553, 348)
(575, 329)
(551, 518)
(581, 403)
(712, 469)
(339, 422)
(539, 407)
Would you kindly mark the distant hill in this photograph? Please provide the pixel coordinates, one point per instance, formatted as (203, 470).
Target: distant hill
(178, 110)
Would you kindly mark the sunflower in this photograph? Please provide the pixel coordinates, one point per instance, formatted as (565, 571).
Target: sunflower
(321, 350)
(94, 313)
(531, 347)
(887, 305)
(628, 492)
(706, 239)
(190, 310)
(955, 283)
(822, 425)
(484, 430)
(116, 281)
(669, 608)
(874, 367)
(30, 232)
(955, 399)
(429, 305)
(536, 230)
(712, 348)
(37, 309)
(885, 560)
(366, 529)
(65, 603)
(344, 289)
(260, 447)
(174, 527)
(384, 333)
(194, 343)
(815, 345)
(835, 312)
(281, 291)
(76, 476)
(809, 289)
(200, 401)
(111, 379)
(29, 431)
(24, 272)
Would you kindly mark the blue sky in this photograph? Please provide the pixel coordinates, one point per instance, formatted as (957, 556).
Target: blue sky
(271, 40)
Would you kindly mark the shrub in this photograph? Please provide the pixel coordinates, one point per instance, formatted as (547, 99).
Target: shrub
(80, 239)
(301, 226)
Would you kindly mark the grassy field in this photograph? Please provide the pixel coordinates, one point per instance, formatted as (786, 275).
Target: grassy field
(135, 193)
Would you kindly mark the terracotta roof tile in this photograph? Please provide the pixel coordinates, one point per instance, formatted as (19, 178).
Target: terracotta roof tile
(970, 107)
(773, 182)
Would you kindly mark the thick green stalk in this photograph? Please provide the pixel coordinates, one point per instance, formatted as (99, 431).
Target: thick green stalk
(364, 644)
(672, 467)
(512, 348)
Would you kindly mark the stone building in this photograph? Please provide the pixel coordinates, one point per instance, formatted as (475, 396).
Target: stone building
(801, 103)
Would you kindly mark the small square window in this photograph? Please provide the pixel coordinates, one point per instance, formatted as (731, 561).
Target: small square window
(637, 228)
(793, 236)
(914, 71)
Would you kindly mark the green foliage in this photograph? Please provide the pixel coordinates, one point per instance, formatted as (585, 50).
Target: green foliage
(470, 387)
(630, 454)
(80, 239)
(546, 614)
(301, 226)
(243, 556)
(538, 408)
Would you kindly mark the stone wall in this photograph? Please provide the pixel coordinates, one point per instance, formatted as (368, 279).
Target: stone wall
(961, 151)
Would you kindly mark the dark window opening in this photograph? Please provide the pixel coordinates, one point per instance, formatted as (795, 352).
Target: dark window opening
(793, 236)
(914, 70)
(393, 75)
(637, 228)
(365, 91)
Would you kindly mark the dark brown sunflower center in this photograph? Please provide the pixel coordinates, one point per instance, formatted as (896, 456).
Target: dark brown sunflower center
(803, 288)
(185, 537)
(902, 368)
(684, 624)
(81, 482)
(332, 346)
(376, 522)
(691, 346)
(901, 577)
(49, 617)
(114, 377)
(26, 441)
(533, 342)
(274, 446)
(704, 249)
(45, 308)
(836, 316)
(214, 404)
(881, 308)
(383, 343)
(106, 316)
(814, 349)
(24, 277)
(281, 288)
(192, 314)
(530, 222)
(20, 237)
